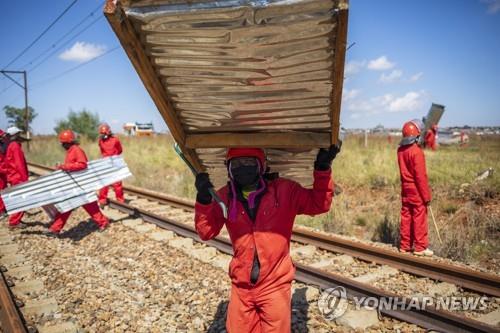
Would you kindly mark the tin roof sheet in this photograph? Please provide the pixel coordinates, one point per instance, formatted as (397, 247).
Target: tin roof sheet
(219, 69)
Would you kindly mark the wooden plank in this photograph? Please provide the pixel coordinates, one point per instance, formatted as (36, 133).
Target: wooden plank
(132, 45)
(299, 140)
(338, 67)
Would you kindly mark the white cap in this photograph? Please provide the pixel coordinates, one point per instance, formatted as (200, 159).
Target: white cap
(13, 130)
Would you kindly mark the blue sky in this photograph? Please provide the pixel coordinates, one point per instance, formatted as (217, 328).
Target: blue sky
(406, 55)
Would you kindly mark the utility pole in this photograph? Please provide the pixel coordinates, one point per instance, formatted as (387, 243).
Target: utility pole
(26, 109)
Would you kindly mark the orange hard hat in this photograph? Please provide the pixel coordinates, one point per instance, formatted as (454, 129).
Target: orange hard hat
(67, 136)
(247, 152)
(412, 128)
(104, 129)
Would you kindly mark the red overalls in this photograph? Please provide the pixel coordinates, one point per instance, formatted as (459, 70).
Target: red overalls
(77, 160)
(266, 305)
(415, 193)
(3, 179)
(17, 172)
(430, 139)
(111, 147)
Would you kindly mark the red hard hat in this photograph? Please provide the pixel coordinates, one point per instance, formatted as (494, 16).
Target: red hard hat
(247, 152)
(412, 128)
(67, 136)
(104, 129)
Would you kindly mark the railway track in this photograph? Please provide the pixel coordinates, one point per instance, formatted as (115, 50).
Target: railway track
(11, 318)
(429, 318)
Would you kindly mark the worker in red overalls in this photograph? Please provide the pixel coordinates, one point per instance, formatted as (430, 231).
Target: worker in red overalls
(3, 171)
(75, 160)
(262, 211)
(110, 146)
(431, 138)
(415, 192)
(16, 168)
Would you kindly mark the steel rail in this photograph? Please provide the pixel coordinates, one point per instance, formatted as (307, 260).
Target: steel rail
(429, 318)
(11, 319)
(484, 283)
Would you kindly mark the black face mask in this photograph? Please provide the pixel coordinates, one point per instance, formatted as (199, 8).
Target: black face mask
(245, 175)
(66, 146)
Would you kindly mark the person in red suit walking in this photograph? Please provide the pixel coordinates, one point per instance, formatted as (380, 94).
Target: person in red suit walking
(415, 192)
(15, 167)
(110, 146)
(3, 171)
(431, 138)
(75, 160)
(262, 211)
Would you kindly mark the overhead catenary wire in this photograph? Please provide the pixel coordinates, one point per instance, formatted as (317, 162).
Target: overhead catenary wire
(45, 81)
(91, 14)
(41, 35)
(36, 85)
(54, 44)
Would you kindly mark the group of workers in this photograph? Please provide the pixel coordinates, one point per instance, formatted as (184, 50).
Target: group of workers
(14, 170)
(262, 210)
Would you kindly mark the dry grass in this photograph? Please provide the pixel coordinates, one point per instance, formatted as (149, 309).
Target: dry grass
(369, 205)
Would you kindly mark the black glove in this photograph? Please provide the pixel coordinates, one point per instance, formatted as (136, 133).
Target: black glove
(202, 185)
(325, 157)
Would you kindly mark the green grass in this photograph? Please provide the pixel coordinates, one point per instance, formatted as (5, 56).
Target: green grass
(369, 178)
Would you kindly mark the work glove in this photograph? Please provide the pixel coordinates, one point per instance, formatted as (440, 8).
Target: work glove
(325, 157)
(202, 185)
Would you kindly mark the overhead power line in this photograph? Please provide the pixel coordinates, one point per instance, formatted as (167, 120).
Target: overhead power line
(53, 45)
(41, 35)
(45, 81)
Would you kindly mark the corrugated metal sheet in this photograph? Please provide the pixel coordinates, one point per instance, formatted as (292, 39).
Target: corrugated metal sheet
(241, 66)
(66, 190)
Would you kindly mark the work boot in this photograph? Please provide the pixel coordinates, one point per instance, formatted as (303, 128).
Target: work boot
(404, 251)
(102, 203)
(20, 225)
(425, 253)
(51, 234)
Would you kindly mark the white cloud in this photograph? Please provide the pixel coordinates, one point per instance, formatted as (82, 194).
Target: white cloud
(416, 77)
(350, 94)
(82, 52)
(355, 115)
(411, 101)
(391, 77)
(353, 67)
(493, 6)
(380, 64)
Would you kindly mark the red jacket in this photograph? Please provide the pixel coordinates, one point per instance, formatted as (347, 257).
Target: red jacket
(110, 146)
(3, 171)
(15, 163)
(430, 139)
(75, 159)
(270, 233)
(414, 182)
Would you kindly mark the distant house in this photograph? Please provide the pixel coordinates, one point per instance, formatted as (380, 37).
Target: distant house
(139, 129)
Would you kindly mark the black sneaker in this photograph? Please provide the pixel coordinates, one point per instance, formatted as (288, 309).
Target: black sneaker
(20, 225)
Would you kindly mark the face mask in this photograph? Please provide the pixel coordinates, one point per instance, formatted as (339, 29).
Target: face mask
(104, 136)
(245, 175)
(66, 145)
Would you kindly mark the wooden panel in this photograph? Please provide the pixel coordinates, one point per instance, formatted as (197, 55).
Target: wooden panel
(338, 68)
(295, 140)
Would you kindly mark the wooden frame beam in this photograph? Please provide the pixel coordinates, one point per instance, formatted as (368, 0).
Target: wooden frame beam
(338, 68)
(297, 140)
(132, 45)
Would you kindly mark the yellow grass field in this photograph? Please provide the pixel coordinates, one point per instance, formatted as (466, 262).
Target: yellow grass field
(467, 212)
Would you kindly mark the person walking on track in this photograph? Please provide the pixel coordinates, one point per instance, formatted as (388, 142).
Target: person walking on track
(75, 160)
(262, 211)
(415, 192)
(15, 167)
(110, 146)
(3, 171)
